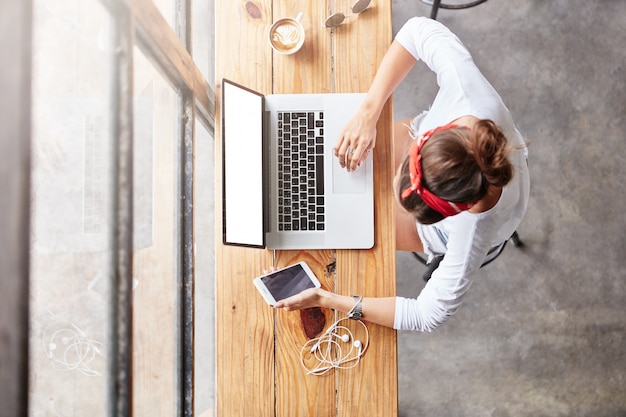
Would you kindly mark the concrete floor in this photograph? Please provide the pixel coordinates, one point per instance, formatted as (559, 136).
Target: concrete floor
(543, 329)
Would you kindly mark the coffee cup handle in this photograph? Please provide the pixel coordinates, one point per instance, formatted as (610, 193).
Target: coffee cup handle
(299, 17)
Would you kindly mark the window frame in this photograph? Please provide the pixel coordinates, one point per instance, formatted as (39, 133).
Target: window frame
(136, 22)
(140, 22)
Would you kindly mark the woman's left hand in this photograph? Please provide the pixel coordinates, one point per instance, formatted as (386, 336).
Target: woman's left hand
(305, 299)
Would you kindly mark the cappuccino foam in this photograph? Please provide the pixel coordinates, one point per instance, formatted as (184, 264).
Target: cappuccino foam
(286, 36)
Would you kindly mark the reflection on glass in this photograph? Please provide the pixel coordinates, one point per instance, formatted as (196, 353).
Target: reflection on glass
(156, 266)
(204, 38)
(204, 229)
(71, 201)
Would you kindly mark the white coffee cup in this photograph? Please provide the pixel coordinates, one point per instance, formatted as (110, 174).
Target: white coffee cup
(286, 35)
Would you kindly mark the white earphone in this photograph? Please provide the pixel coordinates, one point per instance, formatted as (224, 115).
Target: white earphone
(329, 353)
(329, 333)
(344, 337)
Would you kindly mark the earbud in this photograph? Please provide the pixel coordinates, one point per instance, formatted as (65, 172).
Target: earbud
(343, 337)
(357, 344)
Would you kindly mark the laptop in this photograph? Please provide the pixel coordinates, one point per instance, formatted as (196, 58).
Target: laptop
(283, 188)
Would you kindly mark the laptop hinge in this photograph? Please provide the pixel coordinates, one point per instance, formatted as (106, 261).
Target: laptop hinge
(267, 167)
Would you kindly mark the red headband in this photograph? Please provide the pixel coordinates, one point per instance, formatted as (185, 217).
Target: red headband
(446, 208)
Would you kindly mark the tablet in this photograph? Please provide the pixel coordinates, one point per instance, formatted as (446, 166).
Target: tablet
(286, 282)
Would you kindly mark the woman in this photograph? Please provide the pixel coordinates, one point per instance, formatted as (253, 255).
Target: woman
(462, 183)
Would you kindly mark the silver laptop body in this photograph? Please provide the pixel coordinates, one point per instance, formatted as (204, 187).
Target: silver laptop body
(273, 149)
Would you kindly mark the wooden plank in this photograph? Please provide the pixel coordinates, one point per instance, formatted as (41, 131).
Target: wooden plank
(306, 71)
(244, 336)
(297, 393)
(310, 69)
(370, 388)
(244, 323)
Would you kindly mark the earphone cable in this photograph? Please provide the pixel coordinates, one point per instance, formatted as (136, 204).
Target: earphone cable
(328, 352)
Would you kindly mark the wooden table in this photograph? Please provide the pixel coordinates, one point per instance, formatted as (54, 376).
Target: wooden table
(258, 349)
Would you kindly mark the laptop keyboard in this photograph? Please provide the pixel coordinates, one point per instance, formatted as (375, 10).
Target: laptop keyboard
(301, 171)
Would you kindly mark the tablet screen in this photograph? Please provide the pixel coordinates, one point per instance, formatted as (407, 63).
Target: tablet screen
(287, 282)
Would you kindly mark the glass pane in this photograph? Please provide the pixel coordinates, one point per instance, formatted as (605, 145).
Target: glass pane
(203, 38)
(70, 343)
(204, 225)
(156, 266)
(167, 9)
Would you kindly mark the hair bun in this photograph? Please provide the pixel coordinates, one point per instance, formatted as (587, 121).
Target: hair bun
(490, 148)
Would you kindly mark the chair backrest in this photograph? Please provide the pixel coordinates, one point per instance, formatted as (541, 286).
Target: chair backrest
(491, 256)
(436, 4)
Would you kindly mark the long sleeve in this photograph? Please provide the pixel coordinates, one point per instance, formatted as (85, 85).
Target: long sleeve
(463, 90)
(470, 238)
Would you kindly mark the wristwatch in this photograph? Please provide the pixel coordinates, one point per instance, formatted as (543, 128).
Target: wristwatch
(357, 311)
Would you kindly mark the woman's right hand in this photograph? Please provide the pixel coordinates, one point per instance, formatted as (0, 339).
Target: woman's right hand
(355, 141)
(359, 134)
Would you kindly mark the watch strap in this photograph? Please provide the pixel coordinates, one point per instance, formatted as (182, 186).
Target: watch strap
(356, 313)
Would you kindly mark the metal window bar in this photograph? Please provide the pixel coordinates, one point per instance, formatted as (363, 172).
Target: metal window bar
(187, 304)
(183, 21)
(120, 391)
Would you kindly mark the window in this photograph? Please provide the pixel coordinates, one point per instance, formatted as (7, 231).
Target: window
(121, 249)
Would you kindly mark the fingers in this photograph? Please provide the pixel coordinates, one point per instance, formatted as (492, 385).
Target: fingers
(353, 146)
(351, 157)
(342, 152)
(345, 147)
(305, 299)
(358, 156)
(288, 303)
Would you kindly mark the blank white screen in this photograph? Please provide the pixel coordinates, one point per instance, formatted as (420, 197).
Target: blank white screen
(243, 165)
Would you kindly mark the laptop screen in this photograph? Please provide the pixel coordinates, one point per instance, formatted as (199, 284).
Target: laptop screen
(242, 153)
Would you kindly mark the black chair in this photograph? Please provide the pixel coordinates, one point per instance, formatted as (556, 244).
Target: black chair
(491, 256)
(437, 4)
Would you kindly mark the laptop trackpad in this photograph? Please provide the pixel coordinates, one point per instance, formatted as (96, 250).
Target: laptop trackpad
(345, 182)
